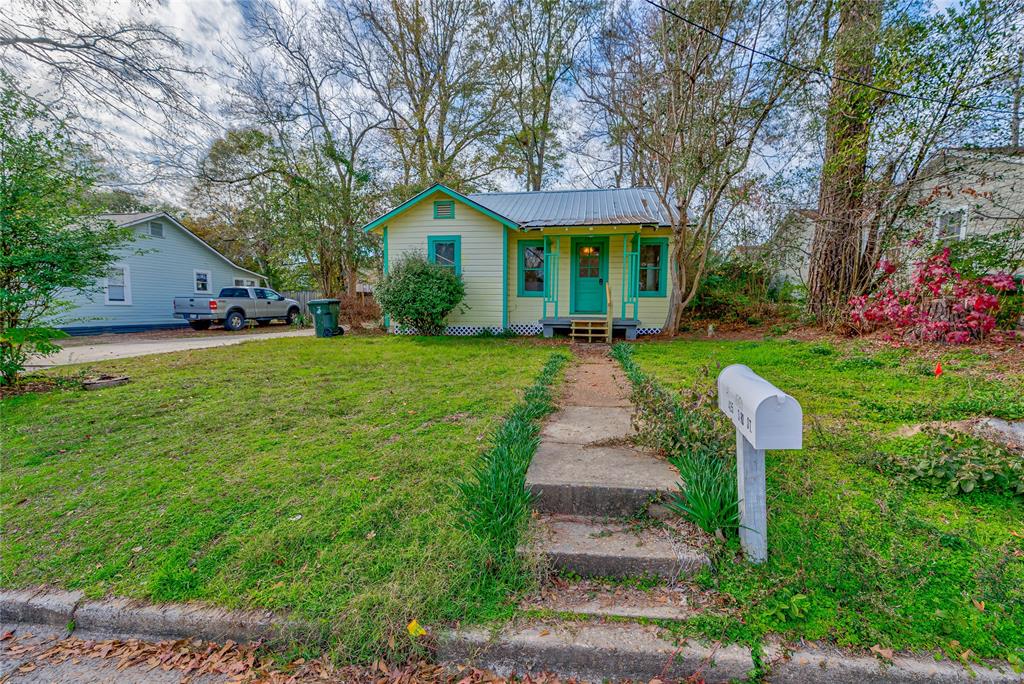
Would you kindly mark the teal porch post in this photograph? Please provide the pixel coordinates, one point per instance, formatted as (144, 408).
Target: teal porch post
(504, 277)
(387, 319)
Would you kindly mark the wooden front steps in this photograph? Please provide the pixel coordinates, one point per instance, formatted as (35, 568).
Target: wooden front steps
(590, 330)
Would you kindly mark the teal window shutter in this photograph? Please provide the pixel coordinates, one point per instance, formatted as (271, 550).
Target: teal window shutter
(445, 250)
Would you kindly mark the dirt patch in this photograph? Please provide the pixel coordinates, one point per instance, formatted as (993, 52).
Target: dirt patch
(38, 385)
(1007, 434)
(595, 381)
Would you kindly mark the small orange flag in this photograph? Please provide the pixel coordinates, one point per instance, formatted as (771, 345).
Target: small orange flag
(938, 369)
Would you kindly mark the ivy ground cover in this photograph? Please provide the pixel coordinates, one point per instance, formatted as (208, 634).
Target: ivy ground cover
(314, 477)
(859, 555)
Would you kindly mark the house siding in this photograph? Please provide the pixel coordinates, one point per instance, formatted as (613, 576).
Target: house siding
(481, 256)
(162, 271)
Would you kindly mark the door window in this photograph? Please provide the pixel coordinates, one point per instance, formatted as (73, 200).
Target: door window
(588, 261)
(260, 293)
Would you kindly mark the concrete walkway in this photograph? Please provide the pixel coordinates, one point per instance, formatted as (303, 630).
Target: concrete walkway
(88, 353)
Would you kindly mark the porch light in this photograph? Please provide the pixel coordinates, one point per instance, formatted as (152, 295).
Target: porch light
(587, 251)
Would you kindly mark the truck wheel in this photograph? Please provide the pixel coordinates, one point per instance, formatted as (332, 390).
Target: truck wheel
(199, 325)
(293, 313)
(234, 321)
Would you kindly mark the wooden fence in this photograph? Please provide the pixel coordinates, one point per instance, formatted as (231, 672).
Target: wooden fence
(303, 297)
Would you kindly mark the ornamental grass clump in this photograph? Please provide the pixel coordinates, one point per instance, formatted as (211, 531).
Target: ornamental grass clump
(697, 439)
(494, 495)
(419, 295)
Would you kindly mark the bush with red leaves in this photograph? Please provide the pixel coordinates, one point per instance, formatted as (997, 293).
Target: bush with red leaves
(939, 305)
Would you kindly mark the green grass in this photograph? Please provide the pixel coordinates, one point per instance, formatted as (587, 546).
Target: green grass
(307, 476)
(855, 556)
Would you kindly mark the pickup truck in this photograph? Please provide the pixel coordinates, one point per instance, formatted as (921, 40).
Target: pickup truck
(234, 306)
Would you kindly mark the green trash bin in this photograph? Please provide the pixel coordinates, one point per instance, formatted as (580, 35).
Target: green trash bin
(325, 317)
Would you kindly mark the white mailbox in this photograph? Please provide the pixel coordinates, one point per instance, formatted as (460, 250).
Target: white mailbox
(768, 417)
(765, 418)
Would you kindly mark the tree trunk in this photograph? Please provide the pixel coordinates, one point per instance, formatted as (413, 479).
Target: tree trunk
(836, 264)
(1018, 95)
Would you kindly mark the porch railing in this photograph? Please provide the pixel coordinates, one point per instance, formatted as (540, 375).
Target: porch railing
(551, 256)
(630, 275)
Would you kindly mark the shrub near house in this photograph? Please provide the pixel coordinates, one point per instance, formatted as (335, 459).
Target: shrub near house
(419, 295)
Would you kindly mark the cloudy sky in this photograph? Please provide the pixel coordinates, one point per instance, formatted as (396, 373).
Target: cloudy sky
(151, 152)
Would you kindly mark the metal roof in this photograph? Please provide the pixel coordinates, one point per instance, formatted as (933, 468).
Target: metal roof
(618, 206)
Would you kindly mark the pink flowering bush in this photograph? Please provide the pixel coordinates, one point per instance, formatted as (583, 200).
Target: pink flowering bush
(939, 305)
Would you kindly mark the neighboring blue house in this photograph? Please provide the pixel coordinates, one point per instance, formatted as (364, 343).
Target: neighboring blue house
(138, 292)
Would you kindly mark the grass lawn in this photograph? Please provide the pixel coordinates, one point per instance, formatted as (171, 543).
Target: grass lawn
(856, 556)
(304, 475)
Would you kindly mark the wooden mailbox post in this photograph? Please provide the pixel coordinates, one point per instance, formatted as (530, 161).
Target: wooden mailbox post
(765, 418)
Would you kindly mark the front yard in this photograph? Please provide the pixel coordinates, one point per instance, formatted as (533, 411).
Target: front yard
(856, 555)
(304, 475)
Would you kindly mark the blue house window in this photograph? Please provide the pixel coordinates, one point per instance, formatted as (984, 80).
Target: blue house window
(531, 268)
(653, 266)
(446, 250)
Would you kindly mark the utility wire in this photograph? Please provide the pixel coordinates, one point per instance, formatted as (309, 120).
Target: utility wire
(822, 72)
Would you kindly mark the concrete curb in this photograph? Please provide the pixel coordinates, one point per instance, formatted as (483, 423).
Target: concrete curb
(598, 652)
(593, 653)
(817, 663)
(129, 617)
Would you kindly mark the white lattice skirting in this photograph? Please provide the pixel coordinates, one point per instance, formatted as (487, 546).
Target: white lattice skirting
(526, 329)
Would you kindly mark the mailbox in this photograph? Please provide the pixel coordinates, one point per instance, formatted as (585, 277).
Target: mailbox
(765, 415)
(765, 418)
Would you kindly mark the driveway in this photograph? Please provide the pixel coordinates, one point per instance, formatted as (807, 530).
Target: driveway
(87, 350)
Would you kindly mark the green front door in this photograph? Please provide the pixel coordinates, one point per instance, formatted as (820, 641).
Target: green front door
(589, 275)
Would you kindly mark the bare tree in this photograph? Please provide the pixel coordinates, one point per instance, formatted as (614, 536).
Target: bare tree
(431, 68)
(540, 43)
(91, 65)
(690, 105)
(300, 90)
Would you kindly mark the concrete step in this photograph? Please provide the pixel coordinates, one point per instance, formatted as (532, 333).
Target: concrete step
(594, 653)
(589, 425)
(602, 599)
(608, 481)
(590, 548)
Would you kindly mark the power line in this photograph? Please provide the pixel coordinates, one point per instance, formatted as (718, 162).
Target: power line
(822, 72)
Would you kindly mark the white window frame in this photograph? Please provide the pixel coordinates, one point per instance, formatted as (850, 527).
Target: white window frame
(159, 225)
(127, 287)
(209, 281)
(245, 282)
(963, 224)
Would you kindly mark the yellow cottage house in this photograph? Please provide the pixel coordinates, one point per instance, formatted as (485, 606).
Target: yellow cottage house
(572, 261)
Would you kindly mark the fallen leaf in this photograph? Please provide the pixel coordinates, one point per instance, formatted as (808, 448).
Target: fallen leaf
(885, 653)
(296, 518)
(415, 629)
(980, 605)
(371, 534)
(544, 632)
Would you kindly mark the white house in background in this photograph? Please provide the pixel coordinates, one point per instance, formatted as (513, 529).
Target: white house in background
(968, 192)
(963, 192)
(139, 288)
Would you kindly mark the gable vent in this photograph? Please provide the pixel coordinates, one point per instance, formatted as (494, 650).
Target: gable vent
(444, 209)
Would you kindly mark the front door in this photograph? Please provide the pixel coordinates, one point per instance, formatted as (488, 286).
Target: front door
(589, 274)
